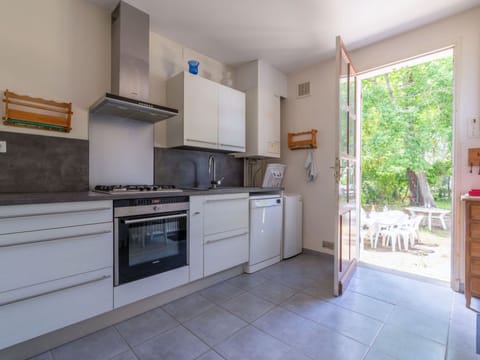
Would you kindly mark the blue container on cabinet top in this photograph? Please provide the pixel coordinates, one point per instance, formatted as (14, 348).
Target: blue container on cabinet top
(193, 66)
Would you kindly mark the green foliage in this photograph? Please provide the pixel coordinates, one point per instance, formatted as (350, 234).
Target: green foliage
(407, 123)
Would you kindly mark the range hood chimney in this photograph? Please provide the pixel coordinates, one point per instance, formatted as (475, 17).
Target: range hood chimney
(130, 69)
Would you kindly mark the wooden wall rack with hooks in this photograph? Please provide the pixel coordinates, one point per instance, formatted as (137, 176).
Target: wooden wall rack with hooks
(303, 140)
(26, 111)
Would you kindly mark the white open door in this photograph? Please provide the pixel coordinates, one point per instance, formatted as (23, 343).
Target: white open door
(346, 172)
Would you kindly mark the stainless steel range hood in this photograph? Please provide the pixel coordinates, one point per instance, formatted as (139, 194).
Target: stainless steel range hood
(130, 69)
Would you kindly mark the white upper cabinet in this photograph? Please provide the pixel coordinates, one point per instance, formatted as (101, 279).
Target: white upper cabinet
(210, 115)
(264, 85)
(231, 119)
(200, 112)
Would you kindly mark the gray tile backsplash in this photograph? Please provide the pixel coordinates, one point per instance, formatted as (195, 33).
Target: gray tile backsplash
(189, 168)
(38, 163)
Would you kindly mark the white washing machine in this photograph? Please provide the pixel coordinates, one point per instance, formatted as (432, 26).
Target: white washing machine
(266, 216)
(292, 225)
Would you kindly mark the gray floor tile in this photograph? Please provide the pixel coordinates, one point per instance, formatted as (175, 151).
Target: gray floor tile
(251, 343)
(462, 336)
(296, 281)
(420, 299)
(176, 344)
(374, 354)
(273, 292)
(247, 281)
(215, 325)
(328, 344)
(401, 345)
(322, 290)
(357, 326)
(376, 289)
(221, 292)
(310, 307)
(417, 323)
(461, 353)
(188, 307)
(128, 355)
(145, 326)
(103, 344)
(43, 356)
(294, 354)
(248, 306)
(363, 304)
(286, 326)
(211, 355)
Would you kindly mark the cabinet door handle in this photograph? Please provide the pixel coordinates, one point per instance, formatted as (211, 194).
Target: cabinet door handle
(225, 238)
(196, 213)
(56, 212)
(235, 146)
(226, 199)
(55, 238)
(51, 291)
(202, 141)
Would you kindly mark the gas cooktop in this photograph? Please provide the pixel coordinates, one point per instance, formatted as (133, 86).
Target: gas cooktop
(132, 189)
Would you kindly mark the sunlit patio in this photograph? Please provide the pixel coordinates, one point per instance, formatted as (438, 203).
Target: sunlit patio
(427, 252)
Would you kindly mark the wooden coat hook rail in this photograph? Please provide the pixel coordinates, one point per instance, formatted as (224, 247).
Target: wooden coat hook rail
(26, 111)
(303, 140)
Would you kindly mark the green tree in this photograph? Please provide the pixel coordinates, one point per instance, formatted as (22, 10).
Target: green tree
(406, 123)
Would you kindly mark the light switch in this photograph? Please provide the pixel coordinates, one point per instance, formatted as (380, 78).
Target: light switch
(3, 146)
(474, 127)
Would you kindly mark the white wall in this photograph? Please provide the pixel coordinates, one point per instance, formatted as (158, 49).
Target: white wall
(318, 111)
(58, 50)
(313, 112)
(167, 58)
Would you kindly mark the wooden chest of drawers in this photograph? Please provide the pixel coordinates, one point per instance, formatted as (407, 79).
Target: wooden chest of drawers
(472, 250)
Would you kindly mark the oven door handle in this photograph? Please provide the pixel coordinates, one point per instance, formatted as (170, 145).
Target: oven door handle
(166, 217)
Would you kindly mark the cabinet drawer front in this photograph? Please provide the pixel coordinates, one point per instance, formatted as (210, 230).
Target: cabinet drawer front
(225, 254)
(475, 248)
(19, 218)
(37, 315)
(474, 211)
(223, 213)
(39, 256)
(474, 230)
(475, 267)
(475, 285)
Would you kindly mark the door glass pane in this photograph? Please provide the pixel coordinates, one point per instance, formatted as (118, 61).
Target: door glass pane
(351, 135)
(351, 88)
(343, 186)
(343, 130)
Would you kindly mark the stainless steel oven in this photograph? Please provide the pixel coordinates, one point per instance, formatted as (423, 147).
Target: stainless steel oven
(150, 236)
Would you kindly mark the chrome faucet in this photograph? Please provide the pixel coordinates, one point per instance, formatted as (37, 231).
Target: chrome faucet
(212, 172)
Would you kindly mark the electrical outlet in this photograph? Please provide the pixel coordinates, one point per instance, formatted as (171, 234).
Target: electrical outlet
(3, 146)
(327, 244)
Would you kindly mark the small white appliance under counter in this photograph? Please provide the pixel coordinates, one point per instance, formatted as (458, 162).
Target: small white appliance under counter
(266, 214)
(292, 225)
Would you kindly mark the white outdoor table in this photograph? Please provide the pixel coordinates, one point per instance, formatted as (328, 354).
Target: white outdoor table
(431, 213)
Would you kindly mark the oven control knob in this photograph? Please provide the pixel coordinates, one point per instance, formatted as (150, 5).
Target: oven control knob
(155, 208)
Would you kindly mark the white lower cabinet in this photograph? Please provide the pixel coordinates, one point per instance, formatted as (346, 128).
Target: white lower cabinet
(224, 251)
(38, 310)
(55, 266)
(218, 233)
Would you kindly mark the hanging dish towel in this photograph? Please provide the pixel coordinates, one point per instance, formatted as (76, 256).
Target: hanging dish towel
(310, 167)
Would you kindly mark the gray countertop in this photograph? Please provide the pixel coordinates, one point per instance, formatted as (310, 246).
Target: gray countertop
(39, 198)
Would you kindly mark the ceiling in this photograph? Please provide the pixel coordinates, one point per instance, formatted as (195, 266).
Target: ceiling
(288, 34)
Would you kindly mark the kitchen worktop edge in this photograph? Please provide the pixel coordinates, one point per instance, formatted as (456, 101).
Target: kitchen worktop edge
(53, 197)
